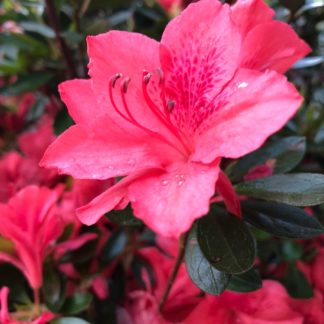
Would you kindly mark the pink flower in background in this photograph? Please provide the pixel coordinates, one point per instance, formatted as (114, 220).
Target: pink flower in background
(6, 318)
(200, 98)
(30, 221)
(18, 171)
(268, 305)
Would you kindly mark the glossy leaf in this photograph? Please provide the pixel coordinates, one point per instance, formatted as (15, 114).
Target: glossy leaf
(281, 219)
(76, 303)
(297, 189)
(245, 282)
(124, 217)
(285, 153)
(226, 242)
(69, 320)
(201, 272)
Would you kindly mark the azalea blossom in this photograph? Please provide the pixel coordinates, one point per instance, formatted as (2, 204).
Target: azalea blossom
(163, 114)
(30, 222)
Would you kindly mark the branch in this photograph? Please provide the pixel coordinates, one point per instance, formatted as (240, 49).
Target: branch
(175, 270)
(54, 22)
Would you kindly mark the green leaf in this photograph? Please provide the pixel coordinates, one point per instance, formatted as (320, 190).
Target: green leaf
(201, 272)
(297, 189)
(62, 122)
(69, 320)
(76, 303)
(286, 154)
(124, 217)
(53, 289)
(245, 282)
(297, 284)
(114, 246)
(38, 28)
(281, 219)
(226, 242)
(26, 83)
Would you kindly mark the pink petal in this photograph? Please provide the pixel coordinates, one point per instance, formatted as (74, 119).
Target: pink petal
(100, 287)
(73, 244)
(105, 150)
(129, 54)
(247, 14)
(273, 45)
(4, 312)
(108, 200)
(257, 105)
(80, 100)
(199, 55)
(226, 190)
(169, 202)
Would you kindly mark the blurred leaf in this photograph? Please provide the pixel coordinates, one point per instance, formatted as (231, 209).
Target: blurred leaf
(292, 5)
(297, 284)
(286, 152)
(124, 217)
(201, 272)
(26, 83)
(245, 282)
(83, 254)
(69, 320)
(226, 241)
(53, 289)
(297, 189)
(62, 122)
(138, 266)
(281, 219)
(308, 62)
(76, 303)
(115, 246)
(291, 251)
(38, 28)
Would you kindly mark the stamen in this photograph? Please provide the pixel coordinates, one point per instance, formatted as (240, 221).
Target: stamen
(125, 84)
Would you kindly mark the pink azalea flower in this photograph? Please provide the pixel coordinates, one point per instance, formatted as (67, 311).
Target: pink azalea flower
(202, 96)
(30, 221)
(6, 318)
(268, 305)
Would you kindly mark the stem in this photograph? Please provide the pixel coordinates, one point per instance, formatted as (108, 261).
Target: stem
(175, 270)
(80, 47)
(37, 301)
(54, 22)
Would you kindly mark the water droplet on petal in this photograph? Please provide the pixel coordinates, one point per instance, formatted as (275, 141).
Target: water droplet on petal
(180, 183)
(242, 85)
(164, 182)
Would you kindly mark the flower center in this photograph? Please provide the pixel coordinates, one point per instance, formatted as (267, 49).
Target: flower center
(164, 116)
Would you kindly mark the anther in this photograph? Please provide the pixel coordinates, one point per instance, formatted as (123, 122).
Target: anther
(171, 104)
(114, 79)
(125, 84)
(161, 76)
(146, 77)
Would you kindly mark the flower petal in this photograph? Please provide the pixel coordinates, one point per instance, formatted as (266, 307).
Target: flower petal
(80, 100)
(247, 14)
(169, 202)
(105, 150)
(195, 51)
(108, 200)
(273, 45)
(258, 105)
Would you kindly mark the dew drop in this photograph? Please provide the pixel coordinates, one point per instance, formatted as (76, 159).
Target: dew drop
(242, 85)
(164, 182)
(180, 183)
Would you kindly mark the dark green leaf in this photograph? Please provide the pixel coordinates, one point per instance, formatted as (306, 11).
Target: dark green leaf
(53, 289)
(26, 83)
(38, 28)
(299, 189)
(245, 282)
(124, 217)
(226, 241)
(201, 272)
(286, 153)
(69, 320)
(291, 251)
(62, 122)
(114, 246)
(281, 219)
(76, 303)
(297, 284)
